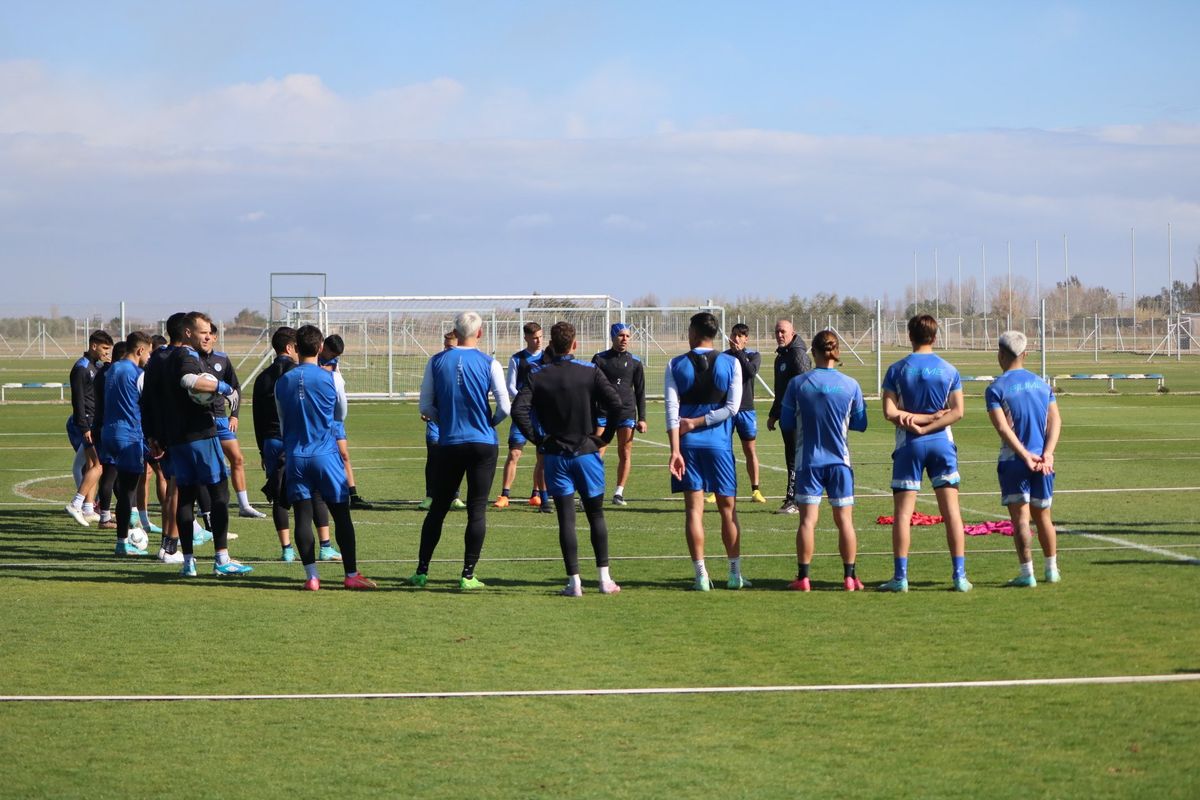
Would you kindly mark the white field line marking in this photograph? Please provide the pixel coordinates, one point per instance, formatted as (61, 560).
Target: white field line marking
(19, 488)
(1106, 680)
(1143, 547)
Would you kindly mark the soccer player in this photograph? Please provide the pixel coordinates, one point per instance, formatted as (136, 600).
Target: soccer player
(86, 467)
(122, 442)
(624, 371)
(923, 397)
(562, 392)
(431, 443)
(819, 407)
(225, 415)
(331, 351)
(195, 452)
(454, 394)
(1022, 409)
(790, 360)
(703, 393)
(108, 466)
(308, 402)
(157, 402)
(746, 421)
(519, 367)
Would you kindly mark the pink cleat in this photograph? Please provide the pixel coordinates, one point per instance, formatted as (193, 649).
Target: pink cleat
(609, 587)
(800, 585)
(853, 584)
(360, 581)
(312, 585)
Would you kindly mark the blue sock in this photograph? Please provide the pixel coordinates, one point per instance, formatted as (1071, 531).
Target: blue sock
(960, 566)
(901, 568)
(545, 495)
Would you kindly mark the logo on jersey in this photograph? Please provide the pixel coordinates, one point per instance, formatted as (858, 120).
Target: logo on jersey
(217, 367)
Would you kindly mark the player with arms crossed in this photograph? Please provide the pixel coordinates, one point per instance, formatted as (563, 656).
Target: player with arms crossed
(923, 397)
(820, 406)
(562, 393)
(703, 392)
(454, 394)
(746, 421)
(308, 402)
(1023, 411)
(519, 366)
(625, 372)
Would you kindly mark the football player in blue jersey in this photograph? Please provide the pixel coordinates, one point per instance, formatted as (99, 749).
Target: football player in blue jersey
(703, 393)
(122, 441)
(923, 397)
(519, 366)
(454, 394)
(86, 466)
(625, 372)
(431, 442)
(1024, 413)
(308, 402)
(108, 467)
(746, 421)
(820, 406)
(331, 351)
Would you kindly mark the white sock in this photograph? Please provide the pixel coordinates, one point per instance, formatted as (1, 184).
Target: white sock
(735, 566)
(574, 582)
(223, 557)
(352, 574)
(310, 571)
(106, 516)
(1027, 569)
(701, 572)
(243, 500)
(77, 501)
(604, 576)
(196, 527)
(88, 508)
(189, 561)
(1051, 564)
(620, 490)
(133, 512)
(144, 516)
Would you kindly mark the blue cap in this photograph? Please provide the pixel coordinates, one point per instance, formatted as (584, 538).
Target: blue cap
(617, 328)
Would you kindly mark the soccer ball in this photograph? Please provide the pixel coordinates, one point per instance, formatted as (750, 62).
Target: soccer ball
(202, 398)
(138, 538)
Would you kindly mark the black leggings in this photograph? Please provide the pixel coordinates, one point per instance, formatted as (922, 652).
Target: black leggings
(477, 461)
(431, 450)
(127, 483)
(564, 505)
(789, 456)
(343, 529)
(218, 493)
(108, 480)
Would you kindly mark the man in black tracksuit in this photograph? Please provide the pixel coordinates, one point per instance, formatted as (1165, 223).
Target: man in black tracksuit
(791, 359)
(562, 393)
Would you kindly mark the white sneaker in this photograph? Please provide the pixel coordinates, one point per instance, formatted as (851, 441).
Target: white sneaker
(251, 513)
(92, 517)
(77, 514)
(170, 558)
(230, 536)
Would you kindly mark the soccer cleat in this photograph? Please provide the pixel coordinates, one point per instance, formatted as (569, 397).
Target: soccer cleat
(535, 500)
(418, 580)
(961, 584)
(200, 537)
(359, 581)
(852, 584)
(702, 584)
(1023, 582)
(467, 584)
(358, 504)
(76, 514)
(91, 516)
(288, 554)
(138, 524)
(127, 548)
(329, 554)
(188, 570)
(108, 525)
(800, 585)
(546, 508)
(231, 567)
(457, 505)
(425, 504)
(1052, 576)
(609, 587)
(894, 585)
(229, 536)
(501, 501)
(757, 497)
(312, 585)
(788, 508)
(251, 513)
(710, 498)
(169, 558)
(737, 582)
(619, 500)
(570, 590)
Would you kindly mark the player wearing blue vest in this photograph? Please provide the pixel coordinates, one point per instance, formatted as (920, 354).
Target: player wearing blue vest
(308, 402)
(562, 393)
(331, 350)
(703, 393)
(520, 365)
(746, 421)
(432, 434)
(625, 372)
(923, 397)
(454, 394)
(225, 416)
(820, 406)
(195, 452)
(86, 466)
(122, 441)
(1022, 409)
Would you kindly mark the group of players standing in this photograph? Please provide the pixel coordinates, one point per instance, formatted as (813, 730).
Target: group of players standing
(169, 409)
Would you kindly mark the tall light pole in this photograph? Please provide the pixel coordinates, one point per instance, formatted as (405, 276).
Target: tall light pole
(1010, 306)
(937, 290)
(1133, 277)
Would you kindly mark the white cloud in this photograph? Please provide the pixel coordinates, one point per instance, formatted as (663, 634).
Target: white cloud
(252, 216)
(620, 222)
(526, 222)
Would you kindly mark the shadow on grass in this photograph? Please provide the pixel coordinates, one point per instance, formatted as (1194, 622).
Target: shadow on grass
(1142, 562)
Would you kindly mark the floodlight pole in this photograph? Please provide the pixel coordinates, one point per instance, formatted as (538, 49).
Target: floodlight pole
(1010, 306)
(1042, 335)
(879, 347)
(1133, 280)
(914, 283)
(937, 290)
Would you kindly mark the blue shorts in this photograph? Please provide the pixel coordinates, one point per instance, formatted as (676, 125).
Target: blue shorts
(199, 463)
(746, 425)
(1019, 485)
(628, 422)
(74, 435)
(707, 470)
(323, 474)
(936, 457)
(127, 455)
(224, 433)
(164, 463)
(566, 475)
(835, 480)
(516, 439)
(339, 430)
(272, 454)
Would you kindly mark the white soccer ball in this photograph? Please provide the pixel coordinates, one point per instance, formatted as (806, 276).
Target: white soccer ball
(202, 398)
(138, 538)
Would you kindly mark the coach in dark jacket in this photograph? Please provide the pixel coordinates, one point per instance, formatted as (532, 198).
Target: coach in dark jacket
(791, 359)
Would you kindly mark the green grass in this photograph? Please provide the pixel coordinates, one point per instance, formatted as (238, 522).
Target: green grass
(77, 622)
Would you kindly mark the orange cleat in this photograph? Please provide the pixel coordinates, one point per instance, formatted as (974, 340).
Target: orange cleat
(501, 502)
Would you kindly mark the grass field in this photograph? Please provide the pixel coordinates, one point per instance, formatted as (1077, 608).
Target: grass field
(78, 622)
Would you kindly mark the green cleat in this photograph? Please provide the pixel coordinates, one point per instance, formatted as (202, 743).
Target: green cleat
(961, 584)
(328, 553)
(702, 584)
(1023, 582)
(457, 505)
(418, 580)
(467, 584)
(894, 585)
(738, 582)
(425, 504)
(1052, 576)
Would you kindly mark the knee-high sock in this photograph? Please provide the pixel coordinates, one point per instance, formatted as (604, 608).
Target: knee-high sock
(127, 483)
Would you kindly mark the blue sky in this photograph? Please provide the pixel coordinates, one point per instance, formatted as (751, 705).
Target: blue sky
(620, 147)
